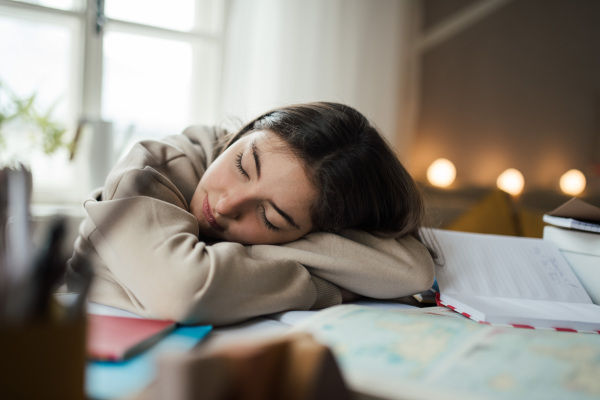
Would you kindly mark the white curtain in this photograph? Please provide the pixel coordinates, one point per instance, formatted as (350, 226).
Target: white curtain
(289, 51)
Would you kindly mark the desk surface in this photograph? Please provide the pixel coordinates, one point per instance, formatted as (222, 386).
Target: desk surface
(256, 329)
(568, 360)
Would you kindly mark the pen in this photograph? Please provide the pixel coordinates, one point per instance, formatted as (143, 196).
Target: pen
(49, 268)
(85, 276)
(3, 222)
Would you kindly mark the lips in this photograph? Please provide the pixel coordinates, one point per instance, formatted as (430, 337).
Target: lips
(210, 217)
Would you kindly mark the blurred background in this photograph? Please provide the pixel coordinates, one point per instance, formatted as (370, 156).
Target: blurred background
(476, 96)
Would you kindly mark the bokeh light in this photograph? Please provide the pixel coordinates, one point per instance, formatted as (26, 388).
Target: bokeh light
(511, 181)
(572, 182)
(441, 173)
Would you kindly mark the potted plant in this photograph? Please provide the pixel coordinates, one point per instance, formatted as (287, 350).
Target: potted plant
(25, 127)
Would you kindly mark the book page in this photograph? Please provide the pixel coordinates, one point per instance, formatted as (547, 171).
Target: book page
(385, 352)
(505, 266)
(411, 354)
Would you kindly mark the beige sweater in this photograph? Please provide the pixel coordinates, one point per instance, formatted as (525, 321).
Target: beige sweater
(144, 247)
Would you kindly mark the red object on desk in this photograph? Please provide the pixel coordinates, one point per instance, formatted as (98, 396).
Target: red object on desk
(112, 338)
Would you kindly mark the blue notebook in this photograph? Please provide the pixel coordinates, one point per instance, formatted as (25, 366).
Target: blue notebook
(110, 380)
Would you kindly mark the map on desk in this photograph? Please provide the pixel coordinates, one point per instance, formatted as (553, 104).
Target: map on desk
(433, 351)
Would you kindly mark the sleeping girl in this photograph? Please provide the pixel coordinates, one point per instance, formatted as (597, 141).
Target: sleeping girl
(305, 207)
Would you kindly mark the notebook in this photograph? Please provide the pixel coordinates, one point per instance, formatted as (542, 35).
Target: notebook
(125, 379)
(575, 214)
(516, 281)
(116, 338)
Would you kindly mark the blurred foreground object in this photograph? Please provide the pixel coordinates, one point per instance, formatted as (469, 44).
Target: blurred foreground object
(293, 367)
(42, 342)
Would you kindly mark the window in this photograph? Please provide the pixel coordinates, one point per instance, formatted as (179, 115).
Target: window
(131, 69)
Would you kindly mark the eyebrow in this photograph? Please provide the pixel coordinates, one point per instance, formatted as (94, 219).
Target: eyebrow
(286, 216)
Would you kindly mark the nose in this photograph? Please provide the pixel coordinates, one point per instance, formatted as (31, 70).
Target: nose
(233, 203)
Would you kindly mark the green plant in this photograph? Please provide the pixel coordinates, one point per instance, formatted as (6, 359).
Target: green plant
(40, 127)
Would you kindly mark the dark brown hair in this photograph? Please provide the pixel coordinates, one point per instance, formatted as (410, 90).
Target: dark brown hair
(361, 183)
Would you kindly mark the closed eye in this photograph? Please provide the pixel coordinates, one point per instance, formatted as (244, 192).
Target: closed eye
(238, 164)
(268, 224)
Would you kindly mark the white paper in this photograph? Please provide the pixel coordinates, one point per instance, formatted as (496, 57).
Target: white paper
(505, 266)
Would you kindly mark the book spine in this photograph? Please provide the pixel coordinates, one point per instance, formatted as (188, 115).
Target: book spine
(442, 303)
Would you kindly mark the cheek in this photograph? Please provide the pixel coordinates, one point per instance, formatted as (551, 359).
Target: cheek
(210, 177)
(216, 178)
(250, 230)
(245, 232)
(209, 183)
(254, 232)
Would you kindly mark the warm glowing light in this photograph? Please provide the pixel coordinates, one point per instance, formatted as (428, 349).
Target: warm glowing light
(441, 173)
(572, 182)
(511, 181)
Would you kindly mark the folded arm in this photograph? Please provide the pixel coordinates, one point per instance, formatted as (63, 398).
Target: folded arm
(361, 262)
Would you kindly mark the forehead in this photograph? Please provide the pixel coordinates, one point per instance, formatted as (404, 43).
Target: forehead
(266, 140)
(274, 154)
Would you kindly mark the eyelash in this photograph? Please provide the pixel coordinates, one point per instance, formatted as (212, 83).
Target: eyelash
(269, 225)
(238, 164)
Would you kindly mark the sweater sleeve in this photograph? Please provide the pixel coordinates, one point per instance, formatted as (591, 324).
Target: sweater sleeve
(361, 262)
(156, 256)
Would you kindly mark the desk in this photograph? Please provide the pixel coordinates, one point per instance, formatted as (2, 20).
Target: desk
(578, 360)
(98, 385)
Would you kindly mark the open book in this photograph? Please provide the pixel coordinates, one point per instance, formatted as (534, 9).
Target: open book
(515, 281)
(434, 353)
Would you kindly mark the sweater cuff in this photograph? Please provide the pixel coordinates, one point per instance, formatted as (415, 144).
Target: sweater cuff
(328, 294)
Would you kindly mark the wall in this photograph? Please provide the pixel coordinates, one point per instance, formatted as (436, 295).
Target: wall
(348, 51)
(519, 88)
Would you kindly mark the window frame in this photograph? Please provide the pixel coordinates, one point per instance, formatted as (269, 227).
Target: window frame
(86, 61)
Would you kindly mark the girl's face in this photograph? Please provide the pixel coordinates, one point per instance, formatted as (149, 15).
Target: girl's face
(256, 192)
